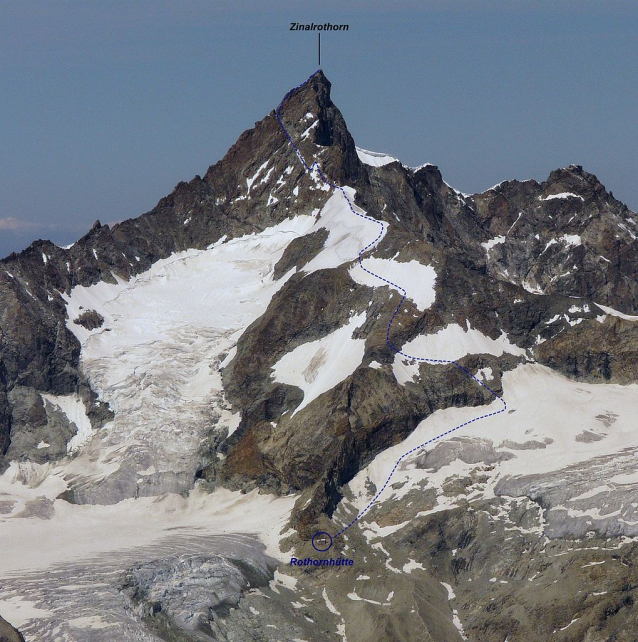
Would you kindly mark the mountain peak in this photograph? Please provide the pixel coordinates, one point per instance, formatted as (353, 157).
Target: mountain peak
(309, 116)
(316, 88)
(574, 179)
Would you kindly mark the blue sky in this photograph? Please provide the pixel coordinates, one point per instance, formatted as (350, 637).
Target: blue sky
(107, 105)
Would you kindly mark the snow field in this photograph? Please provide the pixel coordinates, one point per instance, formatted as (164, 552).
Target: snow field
(348, 234)
(85, 531)
(415, 279)
(571, 408)
(166, 328)
(374, 159)
(449, 344)
(157, 366)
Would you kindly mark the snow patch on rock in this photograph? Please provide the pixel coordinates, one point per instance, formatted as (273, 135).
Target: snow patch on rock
(73, 407)
(318, 366)
(374, 159)
(616, 313)
(497, 240)
(561, 195)
(415, 279)
(449, 344)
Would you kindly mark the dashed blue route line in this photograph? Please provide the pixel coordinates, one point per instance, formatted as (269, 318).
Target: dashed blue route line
(311, 169)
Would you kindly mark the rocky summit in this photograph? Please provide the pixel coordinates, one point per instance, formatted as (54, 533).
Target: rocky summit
(316, 394)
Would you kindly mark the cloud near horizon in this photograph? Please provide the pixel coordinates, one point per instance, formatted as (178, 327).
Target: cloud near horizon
(12, 224)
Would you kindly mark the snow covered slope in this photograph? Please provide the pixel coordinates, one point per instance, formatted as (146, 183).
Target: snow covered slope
(154, 360)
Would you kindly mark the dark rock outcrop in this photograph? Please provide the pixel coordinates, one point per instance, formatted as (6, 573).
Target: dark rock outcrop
(8, 633)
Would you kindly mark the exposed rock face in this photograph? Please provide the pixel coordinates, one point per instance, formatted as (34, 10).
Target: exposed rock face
(567, 235)
(8, 633)
(38, 430)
